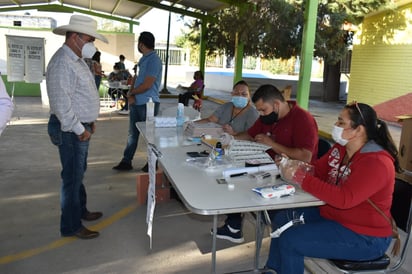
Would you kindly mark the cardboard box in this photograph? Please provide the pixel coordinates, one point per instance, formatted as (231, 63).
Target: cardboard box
(162, 187)
(405, 148)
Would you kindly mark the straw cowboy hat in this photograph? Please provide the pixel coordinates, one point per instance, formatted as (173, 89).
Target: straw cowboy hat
(81, 24)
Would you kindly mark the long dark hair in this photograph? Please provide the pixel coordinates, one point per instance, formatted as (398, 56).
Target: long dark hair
(199, 74)
(376, 129)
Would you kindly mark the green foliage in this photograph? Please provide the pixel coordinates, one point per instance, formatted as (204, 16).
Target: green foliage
(111, 26)
(331, 39)
(273, 28)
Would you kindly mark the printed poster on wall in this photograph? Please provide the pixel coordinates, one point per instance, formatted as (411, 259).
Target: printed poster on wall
(25, 59)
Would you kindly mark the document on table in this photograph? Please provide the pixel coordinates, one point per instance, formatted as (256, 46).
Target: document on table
(151, 191)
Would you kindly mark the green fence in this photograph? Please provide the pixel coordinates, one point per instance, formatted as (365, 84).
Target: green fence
(22, 88)
(32, 89)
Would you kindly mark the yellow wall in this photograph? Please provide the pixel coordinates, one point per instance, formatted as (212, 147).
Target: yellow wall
(382, 57)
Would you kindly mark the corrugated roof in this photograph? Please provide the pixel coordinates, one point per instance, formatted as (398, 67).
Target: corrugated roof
(128, 9)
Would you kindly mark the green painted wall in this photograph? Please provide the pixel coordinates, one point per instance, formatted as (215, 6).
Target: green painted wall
(382, 57)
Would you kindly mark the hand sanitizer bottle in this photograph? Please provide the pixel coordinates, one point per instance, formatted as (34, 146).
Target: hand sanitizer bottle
(150, 111)
(180, 116)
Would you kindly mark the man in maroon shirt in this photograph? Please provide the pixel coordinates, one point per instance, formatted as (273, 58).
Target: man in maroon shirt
(287, 129)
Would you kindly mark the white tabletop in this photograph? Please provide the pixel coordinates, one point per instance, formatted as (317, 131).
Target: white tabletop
(197, 186)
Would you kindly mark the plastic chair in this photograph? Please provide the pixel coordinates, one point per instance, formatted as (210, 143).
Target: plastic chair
(323, 146)
(401, 211)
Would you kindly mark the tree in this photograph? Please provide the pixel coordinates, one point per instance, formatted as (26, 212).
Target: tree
(273, 29)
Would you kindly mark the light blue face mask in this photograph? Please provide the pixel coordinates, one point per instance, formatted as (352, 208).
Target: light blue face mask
(239, 101)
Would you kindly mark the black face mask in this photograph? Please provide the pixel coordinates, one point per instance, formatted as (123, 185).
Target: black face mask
(269, 119)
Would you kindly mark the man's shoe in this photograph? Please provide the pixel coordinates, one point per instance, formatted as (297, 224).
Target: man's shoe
(224, 232)
(123, 166)
(92, 216)
(145, 168)
(86, 234)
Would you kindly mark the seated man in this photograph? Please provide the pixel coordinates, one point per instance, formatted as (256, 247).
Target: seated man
(195, 88)
(285, 127)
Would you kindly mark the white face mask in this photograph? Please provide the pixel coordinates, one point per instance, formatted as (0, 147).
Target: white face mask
(337, 136)
(88, 50)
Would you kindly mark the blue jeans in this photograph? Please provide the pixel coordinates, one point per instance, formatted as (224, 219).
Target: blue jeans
(73, 158)
(234, 220)
(318, 238)
(137, 113)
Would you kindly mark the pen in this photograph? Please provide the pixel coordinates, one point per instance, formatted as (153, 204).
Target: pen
(266, 175)
(238, 174)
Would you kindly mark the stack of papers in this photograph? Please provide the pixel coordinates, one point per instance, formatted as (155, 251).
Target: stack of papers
(212, 130)
(239, 147)
(246, 151)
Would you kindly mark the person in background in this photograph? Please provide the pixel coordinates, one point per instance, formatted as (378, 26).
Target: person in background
(146, 85)
(235, 116)
(6, 106)
(195, 88)
(357, 172)
(116, 79)
(121, 64)
(74, 108)
(98, 72)
(287, 129)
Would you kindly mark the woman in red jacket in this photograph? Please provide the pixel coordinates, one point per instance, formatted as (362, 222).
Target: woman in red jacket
(359, 167)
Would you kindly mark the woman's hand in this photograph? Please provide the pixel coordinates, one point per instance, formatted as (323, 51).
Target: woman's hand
(228, 129)
(294, 171)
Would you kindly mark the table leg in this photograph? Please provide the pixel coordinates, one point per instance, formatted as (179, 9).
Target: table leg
(258, 240)
(214, 244)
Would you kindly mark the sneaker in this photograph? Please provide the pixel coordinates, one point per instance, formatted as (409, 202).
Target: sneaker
(123, 112)
(225, 232)
(123, 166)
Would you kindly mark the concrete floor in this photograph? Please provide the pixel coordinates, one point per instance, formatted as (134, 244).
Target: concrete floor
(29, 206)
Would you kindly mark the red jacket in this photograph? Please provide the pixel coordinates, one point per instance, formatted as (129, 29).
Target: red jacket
(345, 188)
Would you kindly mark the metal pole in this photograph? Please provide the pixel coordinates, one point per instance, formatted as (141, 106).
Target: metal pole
(164, 90)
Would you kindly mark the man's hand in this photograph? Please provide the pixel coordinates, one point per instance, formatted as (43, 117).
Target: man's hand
(85, 135)
(93, 127)
(131, 99)
(264, 139)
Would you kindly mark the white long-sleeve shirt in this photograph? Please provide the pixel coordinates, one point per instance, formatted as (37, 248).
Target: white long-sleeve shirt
(6, 106)
(72, 91)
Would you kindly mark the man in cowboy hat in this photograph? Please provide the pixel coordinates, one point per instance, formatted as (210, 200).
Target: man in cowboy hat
(74, 107)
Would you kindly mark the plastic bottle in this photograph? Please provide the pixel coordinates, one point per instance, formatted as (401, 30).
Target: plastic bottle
(180, 115)
(219, 150)
(294, 171)
(150, 111)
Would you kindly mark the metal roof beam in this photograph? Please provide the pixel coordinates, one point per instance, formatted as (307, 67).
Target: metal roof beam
(66, 9)
(170, 8)
(116, 6)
